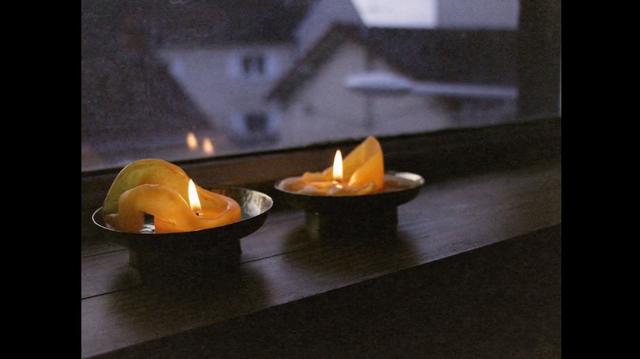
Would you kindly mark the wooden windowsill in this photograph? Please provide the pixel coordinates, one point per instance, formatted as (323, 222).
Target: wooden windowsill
(460, 212)
(434, 155)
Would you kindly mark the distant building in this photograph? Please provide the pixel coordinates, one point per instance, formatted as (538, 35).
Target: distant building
(131, 107)
(259, 73)
(320, 17)
(425, 14)
(153, 71)
(228, 83)
(315, 102)
(226, 56)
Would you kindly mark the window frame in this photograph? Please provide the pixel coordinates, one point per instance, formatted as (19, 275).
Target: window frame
(267, 58)
(438, 154)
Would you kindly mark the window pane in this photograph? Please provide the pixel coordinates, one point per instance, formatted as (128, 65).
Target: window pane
(180, 79)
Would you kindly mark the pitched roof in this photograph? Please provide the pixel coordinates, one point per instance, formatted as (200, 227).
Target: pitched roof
(130, 103)
(189, 22)
(230, 21)
(129, 99)
(458, 56)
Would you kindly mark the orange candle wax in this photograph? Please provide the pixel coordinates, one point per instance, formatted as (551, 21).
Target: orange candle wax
(361, 172)
(162, 189)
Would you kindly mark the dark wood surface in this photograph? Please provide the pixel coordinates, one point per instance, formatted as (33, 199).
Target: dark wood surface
(281, 265)
(499, 301)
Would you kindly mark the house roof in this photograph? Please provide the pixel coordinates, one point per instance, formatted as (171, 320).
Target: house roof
(134, 103)
(229, 21)
(191, 23)
(455, 56)
(129, 99)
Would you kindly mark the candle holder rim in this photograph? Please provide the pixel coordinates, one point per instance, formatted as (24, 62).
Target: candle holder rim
(416, 180)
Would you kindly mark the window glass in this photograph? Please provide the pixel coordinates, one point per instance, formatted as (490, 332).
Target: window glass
(253, 65)
(189, 79)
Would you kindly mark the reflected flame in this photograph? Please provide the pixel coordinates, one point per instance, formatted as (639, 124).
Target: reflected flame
(207, 146)
(192, 141)
(337, 166)
(194, 200)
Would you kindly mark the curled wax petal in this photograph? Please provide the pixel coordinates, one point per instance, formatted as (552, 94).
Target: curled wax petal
(171, 212)
(363, 173)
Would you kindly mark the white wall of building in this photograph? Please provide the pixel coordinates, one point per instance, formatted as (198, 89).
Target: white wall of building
(213, 78)
(323, 109)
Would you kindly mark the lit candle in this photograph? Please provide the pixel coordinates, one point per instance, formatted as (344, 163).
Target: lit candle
(194, 200)
(337, 166)
(163, 190)
(361, 172)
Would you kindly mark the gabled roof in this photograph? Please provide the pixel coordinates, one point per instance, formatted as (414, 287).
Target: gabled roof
(230, 21)
(446, 55)
(130, 103)
(190, 23)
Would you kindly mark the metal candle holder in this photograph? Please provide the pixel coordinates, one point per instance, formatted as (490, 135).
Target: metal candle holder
(205, 250)
(356, 217)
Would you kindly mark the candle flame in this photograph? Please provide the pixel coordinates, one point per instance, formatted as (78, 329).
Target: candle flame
(337, 166)
(207, 146)
(194, 200)
(192, 141)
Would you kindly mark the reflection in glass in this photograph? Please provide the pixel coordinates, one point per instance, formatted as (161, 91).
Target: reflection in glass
(257, 75)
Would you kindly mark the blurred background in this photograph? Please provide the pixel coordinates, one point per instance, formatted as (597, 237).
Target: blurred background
(183, 79)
